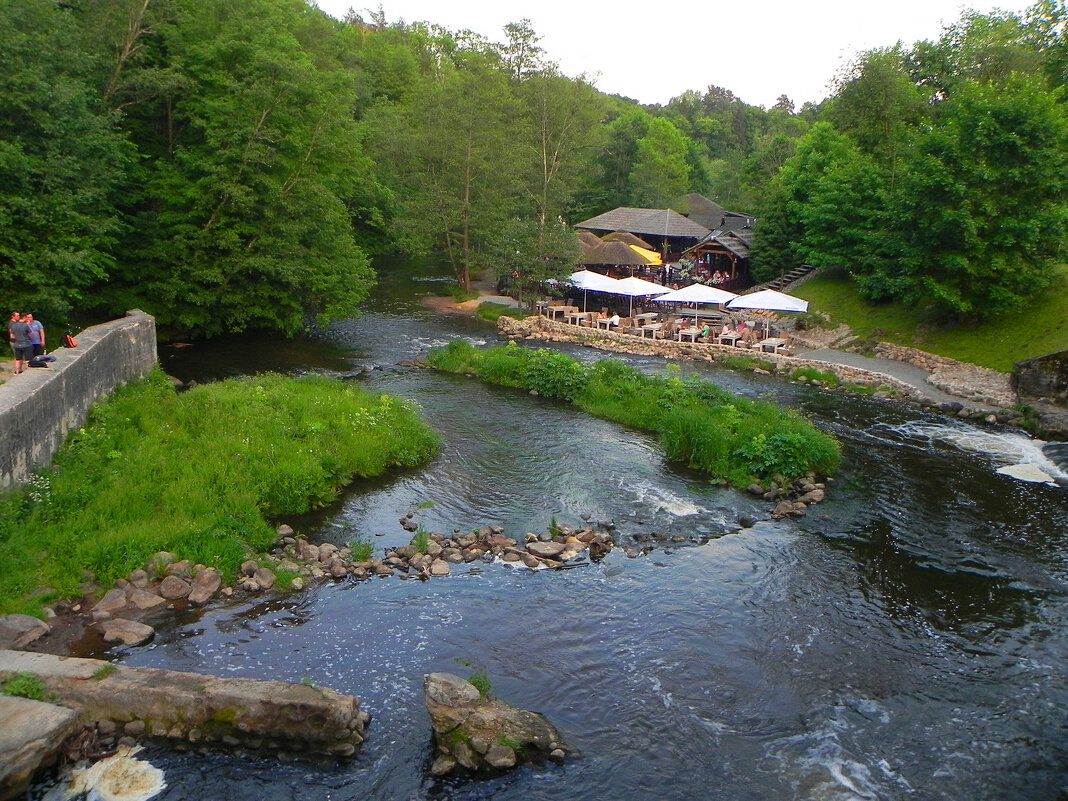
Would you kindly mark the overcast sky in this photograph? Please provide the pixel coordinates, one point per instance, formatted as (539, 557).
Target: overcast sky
(763, 49)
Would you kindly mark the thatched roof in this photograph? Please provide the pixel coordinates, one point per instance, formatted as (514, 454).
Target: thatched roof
(589, 238)
(653, 222)
(619, 253)
(628, 238)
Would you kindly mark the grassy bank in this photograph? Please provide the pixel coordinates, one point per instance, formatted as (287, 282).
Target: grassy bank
(699, 424)
(201, 474)
(1039, 329)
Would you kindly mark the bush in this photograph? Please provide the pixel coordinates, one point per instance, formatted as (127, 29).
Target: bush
(699, 424)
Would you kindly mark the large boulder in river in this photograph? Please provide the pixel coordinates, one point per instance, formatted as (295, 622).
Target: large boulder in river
(478, 733)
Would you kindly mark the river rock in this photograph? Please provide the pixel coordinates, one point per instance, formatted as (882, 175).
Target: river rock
(172, 588)
(128, 632)
(461, 717)
(547, 550)
(145, 600)
(18, 631)
(205, 585)
(439, 567)
(113, 600)
(264, 577)
(180, 568)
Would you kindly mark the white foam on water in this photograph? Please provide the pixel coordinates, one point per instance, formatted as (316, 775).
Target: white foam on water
(660, 499)
(1014, 455)
(120, 777)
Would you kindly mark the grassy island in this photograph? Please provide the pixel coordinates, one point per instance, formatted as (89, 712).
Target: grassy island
(699, 425)
(200, 474)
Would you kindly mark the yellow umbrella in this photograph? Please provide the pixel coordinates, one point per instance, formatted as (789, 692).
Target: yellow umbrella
(650, 255)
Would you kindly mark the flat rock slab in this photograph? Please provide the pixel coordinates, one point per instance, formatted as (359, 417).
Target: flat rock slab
(18, 631)
(31, 735)
(128, 632)
(292, 719)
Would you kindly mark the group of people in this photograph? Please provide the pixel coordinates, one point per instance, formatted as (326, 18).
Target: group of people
(27, 338)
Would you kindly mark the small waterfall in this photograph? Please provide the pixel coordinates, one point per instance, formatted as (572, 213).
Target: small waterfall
(1014, 454)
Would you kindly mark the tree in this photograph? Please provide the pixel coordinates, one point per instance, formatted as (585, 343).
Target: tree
(660, 173)
(879, 105)
(982, 209)
(242, 221)
(62, 163)
(520, 52)
(447, 152)
(527, 254)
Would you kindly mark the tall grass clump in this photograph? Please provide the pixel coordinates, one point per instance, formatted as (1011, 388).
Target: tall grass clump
(699, 424)
(201, 474)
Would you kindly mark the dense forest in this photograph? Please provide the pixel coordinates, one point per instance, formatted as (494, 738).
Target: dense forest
(229, 165)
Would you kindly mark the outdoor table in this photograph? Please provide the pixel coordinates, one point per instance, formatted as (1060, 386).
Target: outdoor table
(605, 323)
(652, 328)
(641, 318)
(771, 343)
(552, 311)
(541, 305)
(575, 317)
(728, 339)
(692, 333)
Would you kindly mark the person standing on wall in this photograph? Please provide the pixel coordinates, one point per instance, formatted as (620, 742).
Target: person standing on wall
(37, 335)
(19, 334)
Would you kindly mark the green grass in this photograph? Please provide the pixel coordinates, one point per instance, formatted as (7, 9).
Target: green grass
(25, 685)
(488, 310)
(201, 475)
(362, 550)
(699, 425)
(997, 343)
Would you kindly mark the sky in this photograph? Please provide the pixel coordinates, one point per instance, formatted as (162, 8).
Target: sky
(657, 50)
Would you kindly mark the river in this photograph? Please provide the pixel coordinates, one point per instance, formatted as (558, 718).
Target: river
(905, 640)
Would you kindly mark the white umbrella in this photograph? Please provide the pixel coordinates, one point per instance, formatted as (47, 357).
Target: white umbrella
(697, 293)
(589, 281)
(637, 288)
(769, 300)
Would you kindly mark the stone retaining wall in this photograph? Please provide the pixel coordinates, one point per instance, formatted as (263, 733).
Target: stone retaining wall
(552, 331)
(39, 407)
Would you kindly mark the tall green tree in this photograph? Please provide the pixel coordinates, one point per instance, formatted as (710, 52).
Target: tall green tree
(242, 221)
(661, 171)
(62, 163)
(447, 152)
(982, 213)
(526, 254)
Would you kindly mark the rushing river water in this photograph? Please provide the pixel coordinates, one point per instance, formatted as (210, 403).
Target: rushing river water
(906, 640)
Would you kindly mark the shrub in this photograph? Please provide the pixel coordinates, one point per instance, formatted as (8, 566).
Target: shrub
(362, 550)
(699, 424)
(481, 681)
(554, 375)
(25, 685)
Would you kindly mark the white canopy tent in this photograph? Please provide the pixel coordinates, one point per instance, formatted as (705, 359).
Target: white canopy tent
(769, 300)
(589, 281)
(635, 287)
(697, 293)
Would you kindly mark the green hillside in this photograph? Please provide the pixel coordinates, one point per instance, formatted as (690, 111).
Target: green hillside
(1040, 328)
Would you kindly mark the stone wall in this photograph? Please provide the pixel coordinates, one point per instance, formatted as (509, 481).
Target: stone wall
(40, 407)
(1045, 377)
